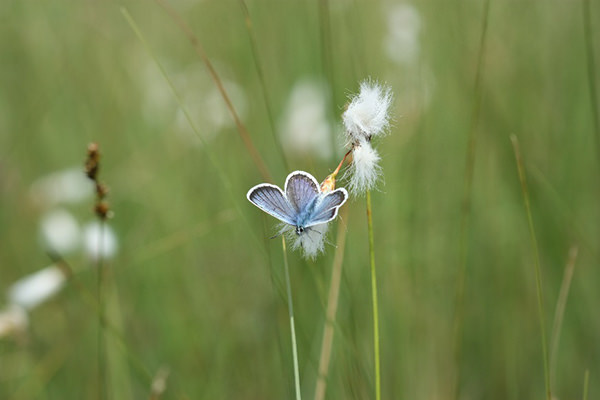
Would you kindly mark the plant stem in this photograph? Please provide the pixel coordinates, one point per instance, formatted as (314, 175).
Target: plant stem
(458, 321)
(209, 154)
(560, 309)
(291, 311)
(536, 253)
(591, 70)
(332, 303)
(243, 132)
(261, 79)
(586, 382)
(374, 293)
(101, 316)
(327, 61)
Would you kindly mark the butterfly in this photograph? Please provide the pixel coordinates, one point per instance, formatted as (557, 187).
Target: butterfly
(302, 204)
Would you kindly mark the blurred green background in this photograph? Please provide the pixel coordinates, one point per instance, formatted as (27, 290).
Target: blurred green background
(196, 287)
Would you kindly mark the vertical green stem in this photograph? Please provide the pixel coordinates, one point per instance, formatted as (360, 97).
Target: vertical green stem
(261, 79)
(101, 316)
(332, 304)
(459, 312)
(591, 69)
(536, 253)
(586, 382)
(291, 311)
(374, 293)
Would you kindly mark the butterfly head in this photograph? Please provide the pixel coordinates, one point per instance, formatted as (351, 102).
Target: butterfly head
(299, 230)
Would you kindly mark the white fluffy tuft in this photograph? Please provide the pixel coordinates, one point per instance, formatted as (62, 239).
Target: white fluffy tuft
(32, 290)
(13, 320)
(60, 231)
(311, 241)
(304, 127)
(100, 241)
(368, 112)
(364, 170)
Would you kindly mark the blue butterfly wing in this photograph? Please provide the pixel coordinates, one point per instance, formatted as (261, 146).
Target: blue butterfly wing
(301, 189)
(327, 207)
(271, 200)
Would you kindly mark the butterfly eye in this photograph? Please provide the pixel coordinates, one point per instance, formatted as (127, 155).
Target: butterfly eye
(299, 230)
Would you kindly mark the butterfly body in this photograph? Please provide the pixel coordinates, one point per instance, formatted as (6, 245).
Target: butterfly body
(304, 216)
(302, 204)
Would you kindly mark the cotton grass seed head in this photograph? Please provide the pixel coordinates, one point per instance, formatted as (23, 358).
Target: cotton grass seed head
(99, 241)
(367, 114)
(32, 290)
(60, 231)
(312, 240)
(13, 320)
(364, 170)
(304, 127)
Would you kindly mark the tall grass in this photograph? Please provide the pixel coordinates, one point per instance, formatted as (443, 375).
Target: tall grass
(374, 298)
(288, 287)
(191, 291)
(332, 306)
(467, 199)
(536, 264)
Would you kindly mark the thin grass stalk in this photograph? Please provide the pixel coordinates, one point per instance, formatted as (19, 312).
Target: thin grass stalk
(591, 70)
(560, 309)
(258, 161)
(291, 312)
(374, 295)
(100, 275)
(536, 254)
(261, 79)
(47, 366)
(332, 304)
(327, 59)
(586, 383)
(91, 302)
(466, 204)
(210, 156)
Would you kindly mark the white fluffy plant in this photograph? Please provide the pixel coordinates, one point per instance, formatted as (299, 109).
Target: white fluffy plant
(366, 117)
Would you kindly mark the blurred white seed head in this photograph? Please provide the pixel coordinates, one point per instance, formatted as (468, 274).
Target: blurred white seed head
(13, 320)
(304, 128)
(311, 241)
(32, 290)
(402, 42)
(68, 186)
(59, 231)
(209, 111)
(99, 241)
(364, 170)
(367, 114)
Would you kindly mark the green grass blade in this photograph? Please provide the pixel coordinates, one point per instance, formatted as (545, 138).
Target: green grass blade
(536, 254)
(292, 325)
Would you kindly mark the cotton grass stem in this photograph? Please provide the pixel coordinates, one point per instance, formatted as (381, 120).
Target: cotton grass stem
(591, 70)
(466, 204)
(327, 58)
(332, 304)
(291, 312)
(374, 294)
(261, 79)
(586, 383)
(100, 275)
(560, 309)
(536, 254)
(245, 136)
